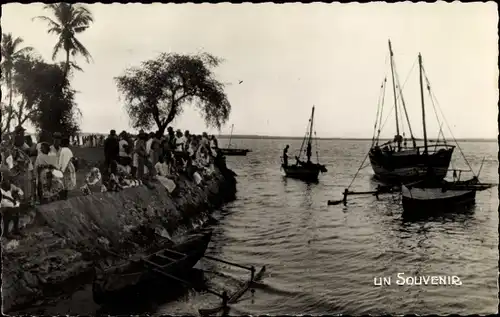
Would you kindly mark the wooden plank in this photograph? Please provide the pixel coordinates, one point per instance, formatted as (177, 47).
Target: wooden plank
(166, 257)
(233, 298)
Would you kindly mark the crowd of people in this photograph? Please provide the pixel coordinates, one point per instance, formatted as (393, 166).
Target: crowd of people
(91, 140)
(157, 156)
(46, 171)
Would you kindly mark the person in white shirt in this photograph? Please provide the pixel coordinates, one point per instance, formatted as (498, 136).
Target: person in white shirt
(124, 155)
(180, 141)
(65, 165)
(149, 142)
(163, 174)
(10, 202)
(9, 160)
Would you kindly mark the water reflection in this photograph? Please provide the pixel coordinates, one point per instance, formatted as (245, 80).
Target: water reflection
(307, 201)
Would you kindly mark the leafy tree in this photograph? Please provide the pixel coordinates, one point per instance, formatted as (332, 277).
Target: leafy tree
(11, 53)
(70, 19)
(156, 92)
(46, 106)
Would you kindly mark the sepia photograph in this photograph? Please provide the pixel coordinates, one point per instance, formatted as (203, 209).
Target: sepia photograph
(249, 159)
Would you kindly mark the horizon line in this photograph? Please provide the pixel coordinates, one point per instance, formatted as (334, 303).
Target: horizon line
(257, 136)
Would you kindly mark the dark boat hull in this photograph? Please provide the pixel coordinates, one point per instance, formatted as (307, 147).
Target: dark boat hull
(303, 173)
(409, 166)
(423, 202)
(234, 152)
(126, 280)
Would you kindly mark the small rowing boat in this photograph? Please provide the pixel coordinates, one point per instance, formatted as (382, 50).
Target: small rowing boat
(236, 295)
(431, 199)
(115, 282)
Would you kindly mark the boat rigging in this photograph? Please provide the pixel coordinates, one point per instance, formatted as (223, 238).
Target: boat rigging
(394, 162)
(307, 171)
(431, 193)
(233, 151)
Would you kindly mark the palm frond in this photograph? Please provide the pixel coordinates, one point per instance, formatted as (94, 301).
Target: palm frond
(24, 51)
(75, 66)
(52, 24)
(80, 29)
(82, 50)
(57, 47)
(17, 41)
(82, 17)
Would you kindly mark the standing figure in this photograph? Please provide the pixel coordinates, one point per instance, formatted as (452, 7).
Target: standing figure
(111, 148)
(285, 155)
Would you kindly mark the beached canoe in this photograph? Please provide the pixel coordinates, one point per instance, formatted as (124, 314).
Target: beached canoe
(117, 282)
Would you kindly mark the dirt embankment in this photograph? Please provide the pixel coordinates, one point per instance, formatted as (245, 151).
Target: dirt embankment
(63, 240)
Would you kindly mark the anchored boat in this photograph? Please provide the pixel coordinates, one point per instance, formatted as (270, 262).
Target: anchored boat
(432, 199)
(305, 170)
(431, 194)
(233, 151)
(396, 162)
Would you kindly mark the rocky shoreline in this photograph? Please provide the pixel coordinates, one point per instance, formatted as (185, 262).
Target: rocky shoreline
(63, 241)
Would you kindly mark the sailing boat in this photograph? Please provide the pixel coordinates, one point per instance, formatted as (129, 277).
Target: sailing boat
(307, 171)
(394, 161)
(430, 194)
(233, 151)
(433, 194)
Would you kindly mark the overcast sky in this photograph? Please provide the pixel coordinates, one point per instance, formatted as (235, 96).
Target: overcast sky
(291, 57)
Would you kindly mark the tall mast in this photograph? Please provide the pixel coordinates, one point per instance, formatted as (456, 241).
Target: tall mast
(423, 104)
(394, 92)
(310, 135)
(230, 136)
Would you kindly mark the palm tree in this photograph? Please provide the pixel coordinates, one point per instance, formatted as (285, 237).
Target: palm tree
(11, 52)
(70, 19)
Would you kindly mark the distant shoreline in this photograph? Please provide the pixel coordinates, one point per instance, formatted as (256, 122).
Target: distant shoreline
(266, 137)
(256, 137)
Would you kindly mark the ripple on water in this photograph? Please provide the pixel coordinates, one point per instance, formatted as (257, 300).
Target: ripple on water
(322, 259)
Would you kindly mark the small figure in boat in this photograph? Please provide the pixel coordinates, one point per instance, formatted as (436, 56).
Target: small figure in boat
(398, 139)
(285, 155)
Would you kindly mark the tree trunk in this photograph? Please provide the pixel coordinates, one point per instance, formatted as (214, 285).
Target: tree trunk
(161, 128)
(65, 72)
(66, 68)
(9, 110)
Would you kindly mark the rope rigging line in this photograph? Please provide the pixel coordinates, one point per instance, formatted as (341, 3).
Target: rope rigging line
(384, 84)
(304, 140)
(359, 169)
(381, 110)
(400, 91)
(440, 132)
(446, 122)
(379, 105)
(377, 115)
(401, 88)
(317, 147)
(433, 105)
(402, 125)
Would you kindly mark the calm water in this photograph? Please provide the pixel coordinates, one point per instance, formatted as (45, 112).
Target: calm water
(322, 259)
